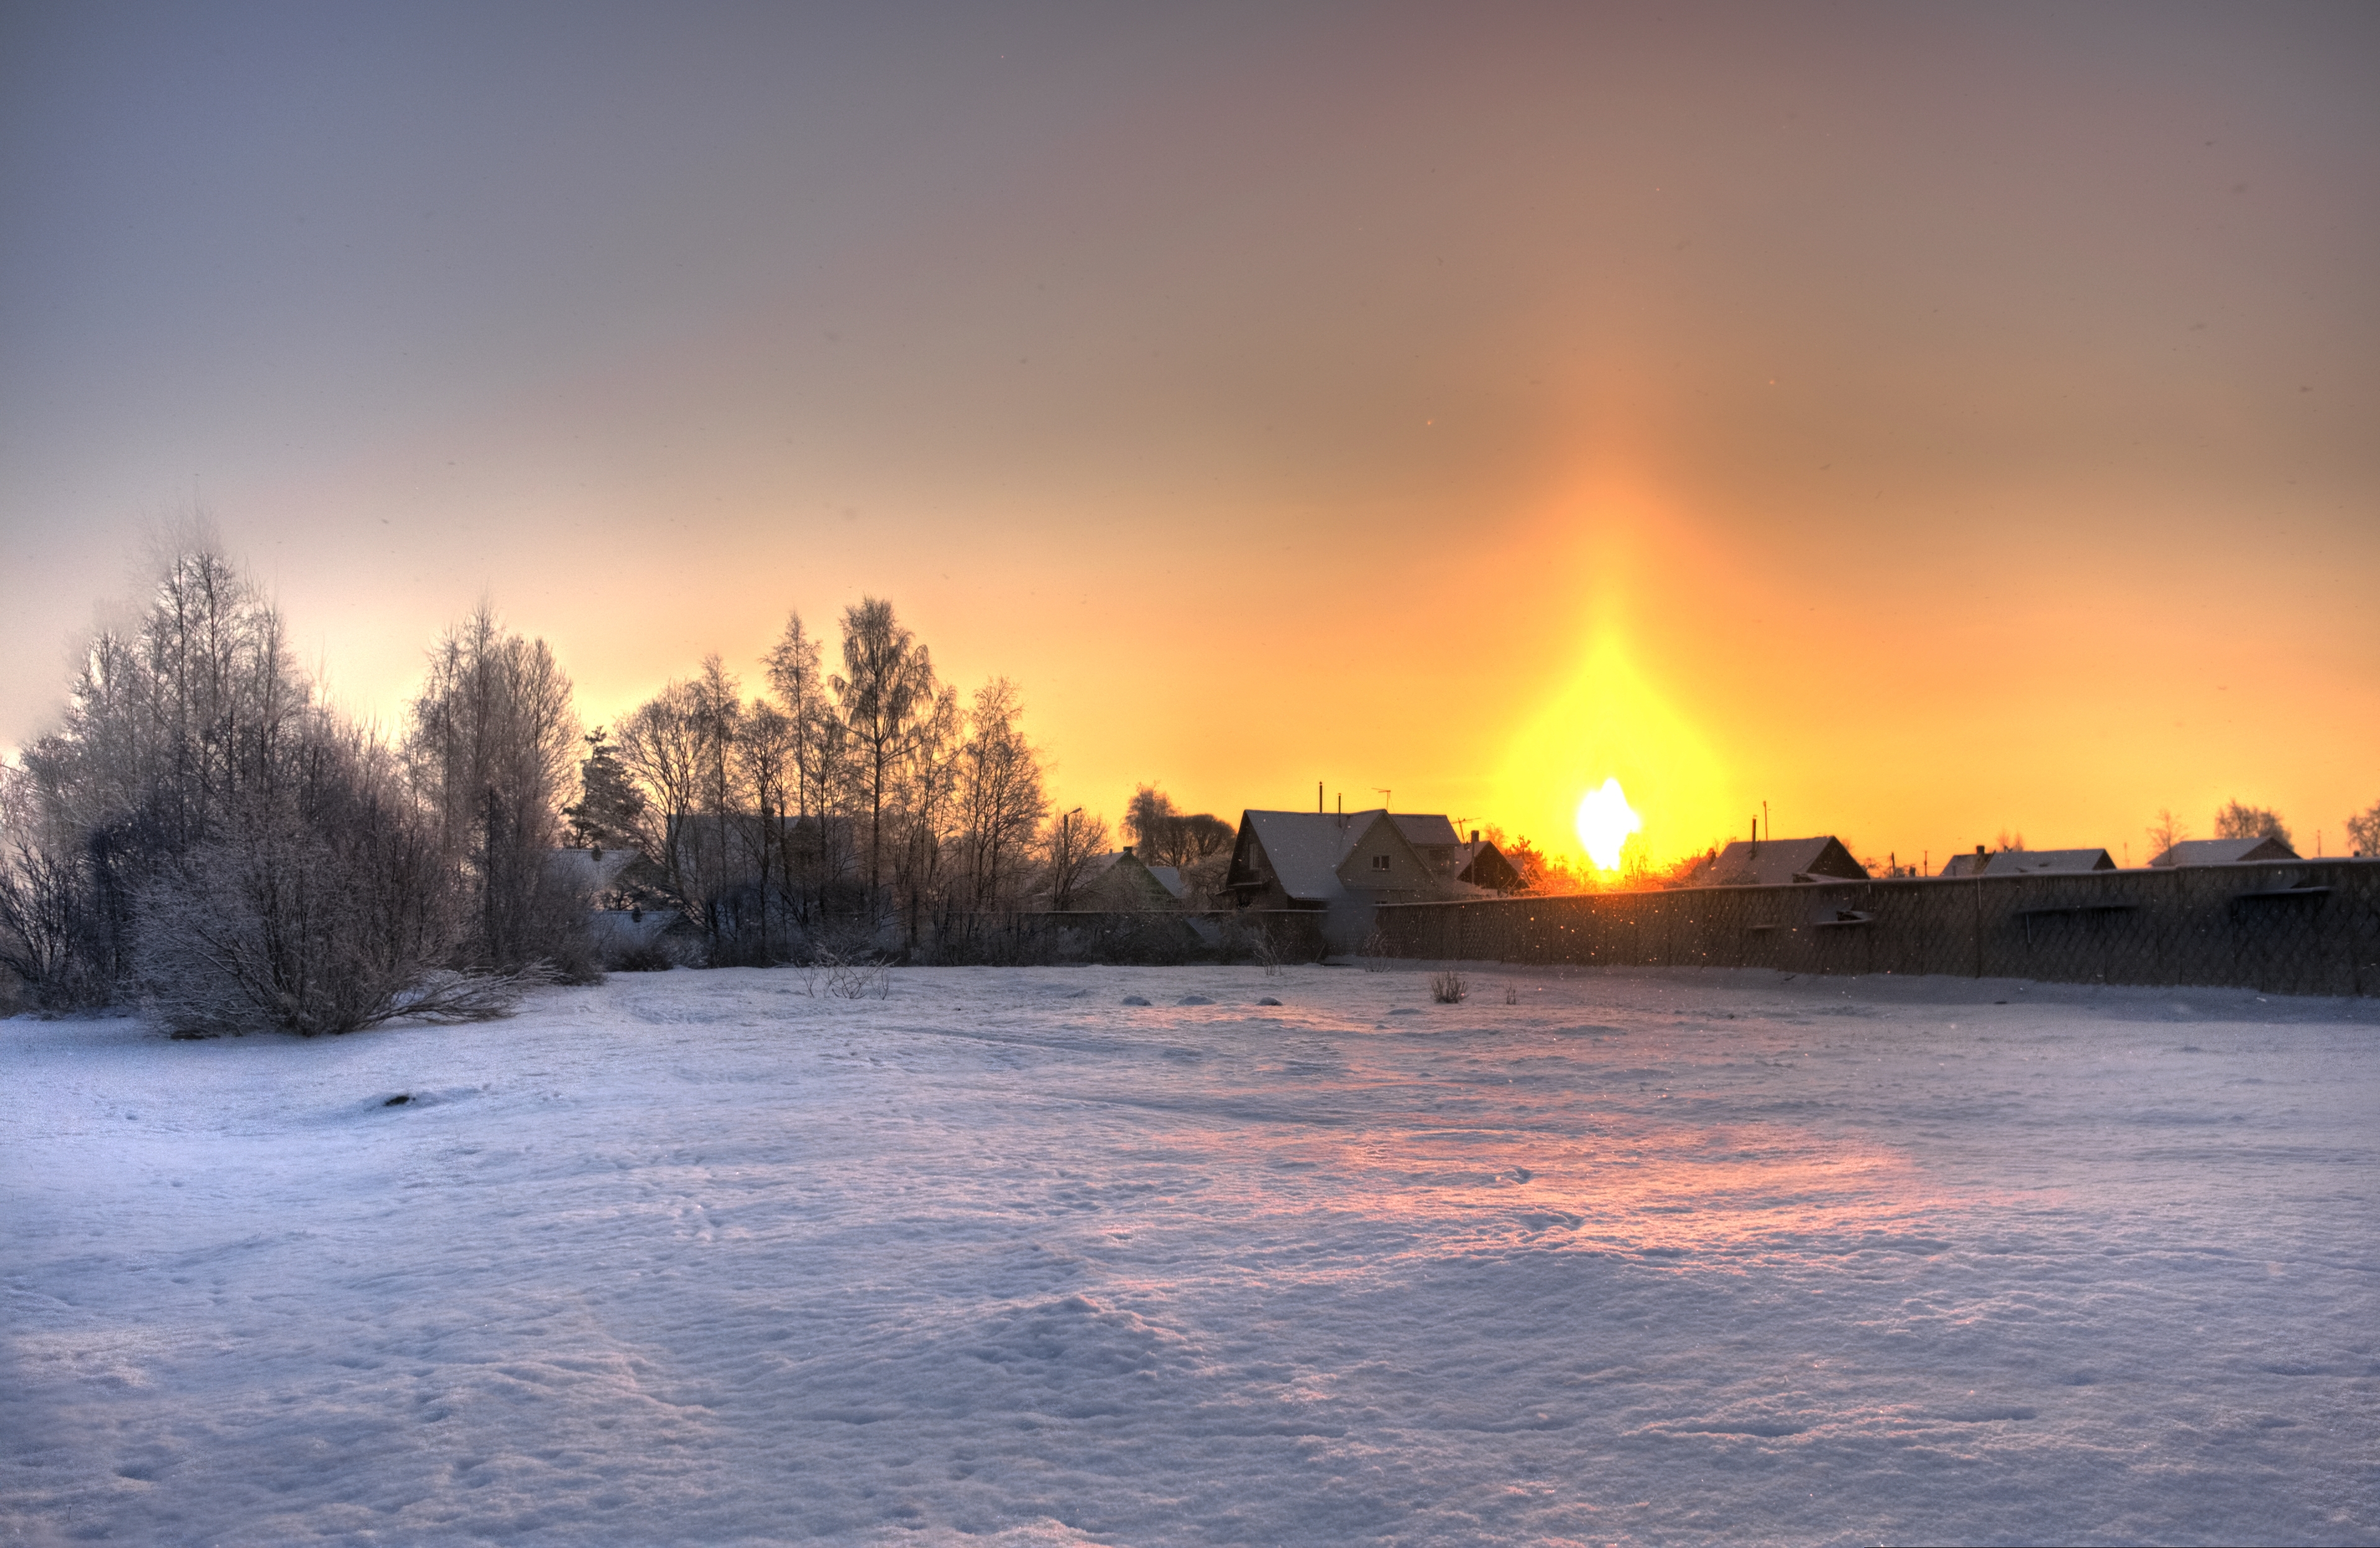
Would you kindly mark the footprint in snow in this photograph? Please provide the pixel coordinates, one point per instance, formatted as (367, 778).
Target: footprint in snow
(1194, 1000)
(1268, 1000)
(1135, 1000)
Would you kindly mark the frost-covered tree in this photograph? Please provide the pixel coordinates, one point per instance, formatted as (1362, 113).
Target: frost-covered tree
(2235, 819)
(885, 690)
(925, 807)
(171, 721)
(489, 745)
(201, 835)
(2363, 830)
(1000, 796)
(322, 903)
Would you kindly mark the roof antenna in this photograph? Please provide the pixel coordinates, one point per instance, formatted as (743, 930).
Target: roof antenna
(1318, 798)
(1383, 790)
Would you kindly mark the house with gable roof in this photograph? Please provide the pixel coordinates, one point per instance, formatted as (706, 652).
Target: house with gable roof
(2026, 863)
(1122, 883)
(1776, 862)
(1485, 867)
(1322, 860)
(2226, 851)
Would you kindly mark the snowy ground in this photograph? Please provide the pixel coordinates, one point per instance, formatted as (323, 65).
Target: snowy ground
(1640, 1258)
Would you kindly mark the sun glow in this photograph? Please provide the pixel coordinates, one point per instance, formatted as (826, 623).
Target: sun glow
(1605, 822)
(1611, 719)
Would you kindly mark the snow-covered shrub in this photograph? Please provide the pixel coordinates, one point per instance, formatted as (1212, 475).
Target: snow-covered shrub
(1374, 952)
(322, 904)
(1448, 987)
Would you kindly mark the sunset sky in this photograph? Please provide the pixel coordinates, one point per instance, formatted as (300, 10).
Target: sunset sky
(1930, 420)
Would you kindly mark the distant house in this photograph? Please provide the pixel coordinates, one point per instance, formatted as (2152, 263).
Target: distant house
(1774, 862)
(1119, 883)
(2226, 851)
(1315, 860)
(2026, 863)
(606, 878)
(1485, 867)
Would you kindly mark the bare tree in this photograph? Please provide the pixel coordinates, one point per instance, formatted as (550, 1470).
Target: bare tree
(888, 684)
(1164, 834)
(661, 748)
(1148, 820)
(818, 856)
(49, 936)
(767, 771)
(2166, 832)
(1073, 840)
(489, 745)
(2364, 832)
(928, 778)
(2236, 821)
(1000, 803)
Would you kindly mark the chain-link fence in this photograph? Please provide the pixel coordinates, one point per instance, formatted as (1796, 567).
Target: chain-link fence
(1145, 938)
(2302, 927)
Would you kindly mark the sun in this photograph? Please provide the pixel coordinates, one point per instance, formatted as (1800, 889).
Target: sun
(1605, 821)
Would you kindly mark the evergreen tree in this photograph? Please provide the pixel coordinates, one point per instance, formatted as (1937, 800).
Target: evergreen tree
(609, 802)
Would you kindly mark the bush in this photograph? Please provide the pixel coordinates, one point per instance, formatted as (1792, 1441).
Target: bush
(1448, 987)
(324, 906)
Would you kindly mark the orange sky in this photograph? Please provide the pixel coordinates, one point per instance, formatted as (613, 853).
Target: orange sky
(1927, 422)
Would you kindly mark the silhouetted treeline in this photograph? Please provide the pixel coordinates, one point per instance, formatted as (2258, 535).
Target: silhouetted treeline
(843, 810)
(204, 836)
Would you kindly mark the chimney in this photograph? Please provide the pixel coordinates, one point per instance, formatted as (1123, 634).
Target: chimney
(1475, 835)
(1128, 848)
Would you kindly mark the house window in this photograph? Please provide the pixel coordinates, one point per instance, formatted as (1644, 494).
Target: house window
(1379, 862)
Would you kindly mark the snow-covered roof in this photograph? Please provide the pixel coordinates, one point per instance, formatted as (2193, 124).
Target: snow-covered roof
(1427, 830)
(1484, 865)
(1304, 848)
(2022, 862)
(591, 871)
(2225, 851)
(1775, 861)
(1122, 879)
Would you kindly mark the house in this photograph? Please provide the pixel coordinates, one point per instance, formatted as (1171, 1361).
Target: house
(1318, 859)
(1485, 867)
(1773, 862)
(2026, 863)
(1119, 883)
(606, 878)
(2226, 851)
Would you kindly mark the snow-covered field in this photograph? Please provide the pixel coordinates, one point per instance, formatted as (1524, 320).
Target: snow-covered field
(1627, 1257)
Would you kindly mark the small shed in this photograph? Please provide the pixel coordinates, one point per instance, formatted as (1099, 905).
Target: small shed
(2226, 851)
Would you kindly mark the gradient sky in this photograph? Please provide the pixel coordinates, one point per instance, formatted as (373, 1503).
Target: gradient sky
(1930, 420)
